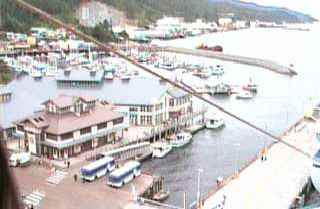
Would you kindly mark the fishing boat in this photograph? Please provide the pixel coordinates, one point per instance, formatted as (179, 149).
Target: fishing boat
(109, 76)
(181, 139)
(161, 196)
(161, 149)
(244, 95)
(251, 86)
(221, 89)
(143, 156)
(213, 121)
(217, 70)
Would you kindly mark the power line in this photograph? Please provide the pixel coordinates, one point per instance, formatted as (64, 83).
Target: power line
(108, 48)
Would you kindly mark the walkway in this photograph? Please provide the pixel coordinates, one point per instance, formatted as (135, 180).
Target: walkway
(267, 64)
(273, 183)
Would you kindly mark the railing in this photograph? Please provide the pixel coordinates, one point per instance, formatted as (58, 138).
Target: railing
(84, 138)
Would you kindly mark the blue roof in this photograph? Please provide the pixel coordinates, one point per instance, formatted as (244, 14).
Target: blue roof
(80, 74)
(29, 94)
(176, 93)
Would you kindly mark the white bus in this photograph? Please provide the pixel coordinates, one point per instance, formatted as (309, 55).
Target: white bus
(19, 159)
(97, 169)
(119, 177)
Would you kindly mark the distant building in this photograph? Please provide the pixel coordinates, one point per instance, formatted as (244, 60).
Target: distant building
(225, 22)
(80, 78)
(5, 94)
(69, 125)
(240, 24)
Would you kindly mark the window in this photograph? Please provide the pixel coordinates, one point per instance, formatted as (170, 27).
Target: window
(143, 120)
(133, 109)
(20, 128)
(143, 108)
(85, 130)
(102, 125)
(118, 121)
(52, 136)
(149, 108)
(67, 136)
(149, 120)
(171, 102)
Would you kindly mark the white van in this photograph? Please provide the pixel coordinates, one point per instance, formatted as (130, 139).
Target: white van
(19, 159)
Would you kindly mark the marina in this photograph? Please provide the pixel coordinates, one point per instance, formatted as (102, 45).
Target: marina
(106, 118)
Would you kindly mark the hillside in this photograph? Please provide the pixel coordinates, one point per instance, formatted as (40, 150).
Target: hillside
(147, 11)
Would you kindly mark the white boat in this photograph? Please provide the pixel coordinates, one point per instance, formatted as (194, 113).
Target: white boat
(244, 95)
(181, 139)
(213, 121)
(251, 86)
(36, 74)
(315, 171)
(160, 149)
(217, 70)
(109, 76)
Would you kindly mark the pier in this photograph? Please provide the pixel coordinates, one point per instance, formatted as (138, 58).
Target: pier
(273, 183)
(263, 63)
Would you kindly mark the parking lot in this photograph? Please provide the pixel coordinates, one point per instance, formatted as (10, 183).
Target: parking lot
(65, 193)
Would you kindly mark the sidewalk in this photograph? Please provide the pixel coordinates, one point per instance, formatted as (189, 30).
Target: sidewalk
(273, 183)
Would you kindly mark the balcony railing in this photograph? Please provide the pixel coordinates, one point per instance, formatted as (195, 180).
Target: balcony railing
(85, 138)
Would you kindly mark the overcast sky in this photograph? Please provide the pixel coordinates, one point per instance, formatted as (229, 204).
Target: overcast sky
(311, 7)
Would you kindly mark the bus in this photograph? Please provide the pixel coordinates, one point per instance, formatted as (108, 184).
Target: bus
(119, 177)
(97, 169)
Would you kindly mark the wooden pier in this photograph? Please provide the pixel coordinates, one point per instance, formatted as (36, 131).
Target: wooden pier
(263, 63)
(273, 183)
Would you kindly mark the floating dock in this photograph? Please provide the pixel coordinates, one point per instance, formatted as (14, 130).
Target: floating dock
(263, 63)
(273, 183)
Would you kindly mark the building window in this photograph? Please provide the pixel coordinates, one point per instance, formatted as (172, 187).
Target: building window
(85, 130)
(171, 102)
(102, 125)
(149, 120)
(52, 136)
(118, 121)
(143, 120)
(20, 128)
(143, 108)
(133, 109)
(149, 108)
(67, 136)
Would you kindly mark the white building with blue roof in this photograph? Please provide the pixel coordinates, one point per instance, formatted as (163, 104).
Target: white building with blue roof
(146, 101)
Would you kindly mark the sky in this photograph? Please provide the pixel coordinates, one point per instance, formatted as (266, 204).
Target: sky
(311, 7)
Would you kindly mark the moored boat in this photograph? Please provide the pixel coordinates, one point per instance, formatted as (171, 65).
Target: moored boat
(181, 139)
(213, 121)
(244, 95)
(160, 149)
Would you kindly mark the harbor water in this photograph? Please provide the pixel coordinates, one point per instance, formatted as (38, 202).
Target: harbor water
(280, 102)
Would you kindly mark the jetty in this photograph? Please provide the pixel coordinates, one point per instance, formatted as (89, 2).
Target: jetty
(257, 62)
(274, 183)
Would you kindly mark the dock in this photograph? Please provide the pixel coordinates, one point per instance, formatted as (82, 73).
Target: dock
(257, 62)
(273, 183)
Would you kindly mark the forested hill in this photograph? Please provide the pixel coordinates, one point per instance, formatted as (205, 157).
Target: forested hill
(147, 11)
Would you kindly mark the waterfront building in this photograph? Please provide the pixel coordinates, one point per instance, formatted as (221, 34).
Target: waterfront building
(69, 125)
(145, 101)
(79, 78)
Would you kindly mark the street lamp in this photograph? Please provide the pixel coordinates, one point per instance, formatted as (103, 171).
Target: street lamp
(198, 192)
